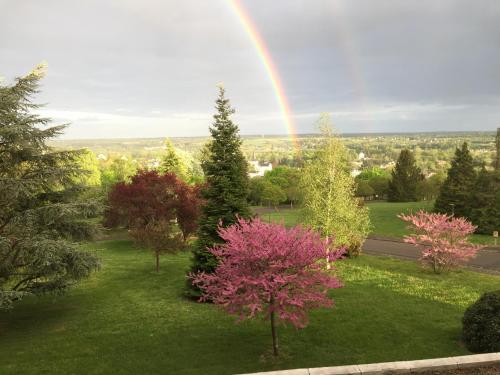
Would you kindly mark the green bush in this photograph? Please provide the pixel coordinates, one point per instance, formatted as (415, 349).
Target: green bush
(481, 324)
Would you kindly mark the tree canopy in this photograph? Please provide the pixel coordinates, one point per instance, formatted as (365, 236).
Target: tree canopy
(39, 216)
(404, 178)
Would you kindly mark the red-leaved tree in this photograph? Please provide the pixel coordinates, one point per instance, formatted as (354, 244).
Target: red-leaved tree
(270, 271)
(444, 239)
(155, 209)
(188, 208)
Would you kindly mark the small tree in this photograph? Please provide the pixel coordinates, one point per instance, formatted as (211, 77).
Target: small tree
(272, 195)
(271, 271)
(444, 237)
(405, 179)
(147, 206)
(172, 163)
(329, 203)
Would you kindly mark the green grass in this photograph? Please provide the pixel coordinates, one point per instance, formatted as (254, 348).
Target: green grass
(383, 216)
(127, 319)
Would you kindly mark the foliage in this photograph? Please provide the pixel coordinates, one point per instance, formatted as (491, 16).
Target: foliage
(266, 269)
(363, 189)
(288, 179)
(404, 179)
(255, 189)
(484, 203)
(117, 170)
(88, 162)
(330, 206)
(272, 194)
(151, 206)
(445, 239)
(38, 217)
(481, 324)
(496, 163)
(172, 163)
(428, 188)
(226, 192)
(456, 190)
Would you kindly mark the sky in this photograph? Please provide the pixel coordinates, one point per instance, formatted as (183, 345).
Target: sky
(150, 68)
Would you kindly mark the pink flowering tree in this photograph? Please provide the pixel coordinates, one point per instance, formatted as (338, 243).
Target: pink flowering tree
(270, 271)
(444, 239)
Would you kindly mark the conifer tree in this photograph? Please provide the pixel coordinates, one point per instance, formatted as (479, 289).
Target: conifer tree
(172, 163)
(497, 158)
(405, 178)
(38, 214)
(456, 190)
(226, 191)
(485, 202)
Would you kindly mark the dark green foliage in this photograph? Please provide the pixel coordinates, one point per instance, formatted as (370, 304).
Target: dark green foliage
(497, 156)
(485, 202)
(363, 189)
(38, 213)
(481, 324)
(455, 192)
(226, 191)
(405, 179)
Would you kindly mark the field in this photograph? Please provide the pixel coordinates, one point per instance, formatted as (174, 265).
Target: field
(127, 319)
(383, 216)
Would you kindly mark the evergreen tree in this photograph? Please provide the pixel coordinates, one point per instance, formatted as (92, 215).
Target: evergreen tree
(497, 158)
(456, 190)
(227, 186)
(404, 179)
(172, 163)
(38, 215)
(485, 202)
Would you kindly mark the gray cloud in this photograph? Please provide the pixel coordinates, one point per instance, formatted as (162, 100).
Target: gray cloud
(126, 67)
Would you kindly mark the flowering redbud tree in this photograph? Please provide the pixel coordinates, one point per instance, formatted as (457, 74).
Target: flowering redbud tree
(444, 239)
(270, 271)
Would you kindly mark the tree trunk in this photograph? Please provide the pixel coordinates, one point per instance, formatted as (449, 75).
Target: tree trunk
(328, 265)
(157, 253)
(273, 328)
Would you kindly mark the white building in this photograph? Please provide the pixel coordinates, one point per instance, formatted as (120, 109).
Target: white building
(259, 170)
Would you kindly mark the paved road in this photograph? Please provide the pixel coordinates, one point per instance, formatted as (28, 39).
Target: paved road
(488, 259)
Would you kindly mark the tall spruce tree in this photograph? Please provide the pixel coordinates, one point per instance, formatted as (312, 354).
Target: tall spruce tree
(38, 217)
(497, 158)
(227, 187)
(405, 178)
(485, 202)
(456, 190)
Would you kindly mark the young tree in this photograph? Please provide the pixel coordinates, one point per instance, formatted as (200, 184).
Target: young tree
(147, 206)
(38, 217)
(269, 270)
(329, 202)
(172, 163)
(444, 239)
(455, 192)
(405, 179)
(272, 195)
(226, 191)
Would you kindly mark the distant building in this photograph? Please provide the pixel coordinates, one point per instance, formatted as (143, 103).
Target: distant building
(259, 170)
(102, 157)
(361, 156)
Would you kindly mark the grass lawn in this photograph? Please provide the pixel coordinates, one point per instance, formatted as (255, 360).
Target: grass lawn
(127, 319)
(383, 216)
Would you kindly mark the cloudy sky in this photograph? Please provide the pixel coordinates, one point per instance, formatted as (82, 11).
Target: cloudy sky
(149, 68)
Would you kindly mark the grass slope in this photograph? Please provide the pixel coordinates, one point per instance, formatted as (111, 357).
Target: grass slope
(383, 216)
(127, 319)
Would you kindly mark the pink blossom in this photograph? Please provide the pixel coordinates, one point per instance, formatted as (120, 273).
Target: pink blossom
(271, 271)
(445, 239)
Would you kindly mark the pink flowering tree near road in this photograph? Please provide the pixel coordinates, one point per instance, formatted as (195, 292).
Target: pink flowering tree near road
(445, 239)
(270, 271)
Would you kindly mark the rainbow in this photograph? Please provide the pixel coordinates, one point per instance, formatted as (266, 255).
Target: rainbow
(270, 68)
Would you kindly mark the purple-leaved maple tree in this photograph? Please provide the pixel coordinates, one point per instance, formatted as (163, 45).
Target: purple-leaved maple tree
(270, 271)
(444, 239)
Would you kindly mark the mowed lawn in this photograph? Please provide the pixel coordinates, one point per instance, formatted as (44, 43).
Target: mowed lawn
(127, 319)
(383, 215)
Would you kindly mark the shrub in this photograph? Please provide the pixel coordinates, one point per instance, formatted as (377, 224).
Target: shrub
(481, 324)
